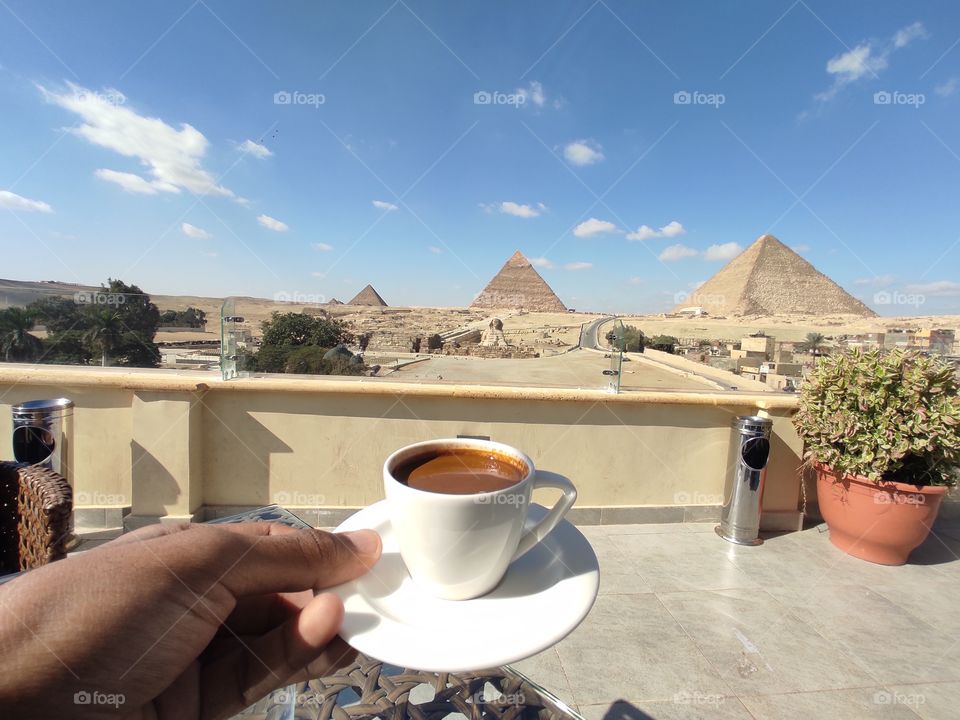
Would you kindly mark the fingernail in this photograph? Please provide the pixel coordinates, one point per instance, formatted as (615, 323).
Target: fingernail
(366, 542)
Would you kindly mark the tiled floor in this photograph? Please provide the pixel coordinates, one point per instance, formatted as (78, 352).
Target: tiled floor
(690, 626)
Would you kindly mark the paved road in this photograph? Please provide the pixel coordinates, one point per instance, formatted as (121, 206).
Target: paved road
(591, 340)
(589, 337)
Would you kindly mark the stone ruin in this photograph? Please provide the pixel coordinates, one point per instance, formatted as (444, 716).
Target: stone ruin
(493, 336)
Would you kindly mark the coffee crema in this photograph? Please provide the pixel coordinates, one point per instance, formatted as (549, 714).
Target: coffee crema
(460, 471)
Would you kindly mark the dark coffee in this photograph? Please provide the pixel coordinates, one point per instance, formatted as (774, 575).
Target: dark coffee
(460, 471)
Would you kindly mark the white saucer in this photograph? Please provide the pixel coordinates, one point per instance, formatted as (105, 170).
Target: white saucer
(543, 597)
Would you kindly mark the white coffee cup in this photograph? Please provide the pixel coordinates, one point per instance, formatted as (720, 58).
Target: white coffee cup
(459, 546)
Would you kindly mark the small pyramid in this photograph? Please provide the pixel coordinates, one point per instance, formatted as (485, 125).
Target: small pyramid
(334, 301)
(518, 285)
(368, 296)
(768, 278)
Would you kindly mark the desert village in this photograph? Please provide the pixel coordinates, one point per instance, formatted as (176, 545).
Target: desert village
(758, 324)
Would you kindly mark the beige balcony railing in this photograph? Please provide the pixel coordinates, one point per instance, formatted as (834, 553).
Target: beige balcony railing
(167, 445)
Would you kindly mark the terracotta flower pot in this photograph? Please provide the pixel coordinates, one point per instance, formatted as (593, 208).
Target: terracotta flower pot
(880, 523)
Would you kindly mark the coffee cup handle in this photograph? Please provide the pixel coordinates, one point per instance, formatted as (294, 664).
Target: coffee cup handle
(539, 531)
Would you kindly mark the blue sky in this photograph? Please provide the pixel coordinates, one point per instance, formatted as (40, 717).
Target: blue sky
(217, 148)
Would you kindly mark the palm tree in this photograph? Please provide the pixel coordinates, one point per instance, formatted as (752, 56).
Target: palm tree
(815, 341)
(105, 332)
(16, 342)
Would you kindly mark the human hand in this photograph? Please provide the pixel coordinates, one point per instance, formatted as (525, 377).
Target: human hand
(186, 621)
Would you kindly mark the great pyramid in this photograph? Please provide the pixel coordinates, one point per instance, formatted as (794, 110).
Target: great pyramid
(368, 296)
(518, 285)
(768, 278)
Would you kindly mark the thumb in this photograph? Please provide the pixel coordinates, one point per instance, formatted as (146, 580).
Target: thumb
(237, 679)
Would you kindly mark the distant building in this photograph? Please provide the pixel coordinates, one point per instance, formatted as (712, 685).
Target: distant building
(760, 358)
(929, 340)
(894, 339)
(754, 347)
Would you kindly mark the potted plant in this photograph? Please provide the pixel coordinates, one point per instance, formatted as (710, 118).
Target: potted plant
(882, 430)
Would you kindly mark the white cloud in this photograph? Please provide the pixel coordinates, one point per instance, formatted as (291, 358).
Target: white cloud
(725, 251)
(677, 252)
(947, 87)
(249, 147)
(593, 226)
(542, 262)
(583, 152)
(210, 254)
(533, 93)
(319, 274)
(525, 211)
(578, 266)
(12, 201)
(937, 288)
(876, 281)
(645, 232)
(173, 157)
(272, 223)
(636, 280)
(905, 35)
(672, 229)
(867, 58)
(322, 247)
(434, 249)
(192, 231)
(383, 205)
(135, 183)
(801, 248)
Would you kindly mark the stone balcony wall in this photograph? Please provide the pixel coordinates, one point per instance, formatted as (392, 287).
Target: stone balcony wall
(174, 445)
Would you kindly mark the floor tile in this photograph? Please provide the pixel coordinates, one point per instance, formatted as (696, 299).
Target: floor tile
(617, 574)
(703, 708)
(888, 641)
(930, 701)
(545, 670)
(758, 646)
(630, 648)
(683, 561)
(936, 604)
(856, 704)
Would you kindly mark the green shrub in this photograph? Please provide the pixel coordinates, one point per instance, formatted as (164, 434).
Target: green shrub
(883, 416)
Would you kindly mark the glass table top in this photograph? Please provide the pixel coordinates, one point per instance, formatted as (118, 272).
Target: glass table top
(369, 688)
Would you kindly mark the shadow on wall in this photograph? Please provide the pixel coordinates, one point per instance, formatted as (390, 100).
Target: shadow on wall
(238, 439)
(154, 487)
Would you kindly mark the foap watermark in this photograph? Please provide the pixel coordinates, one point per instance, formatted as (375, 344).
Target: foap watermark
(485, 97)
(304, 699)
(696, 298)
(98, 498)
(295, 97)
(886, 297)
(110, 97)
(695, 697)
(299, 297)
(696, 97)
(884, 697)
(502, 499)
(697, 498)
(899, 498)
(108, 299)
(299, 499)
(886, 97)
(95, 697)
(489, 695)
